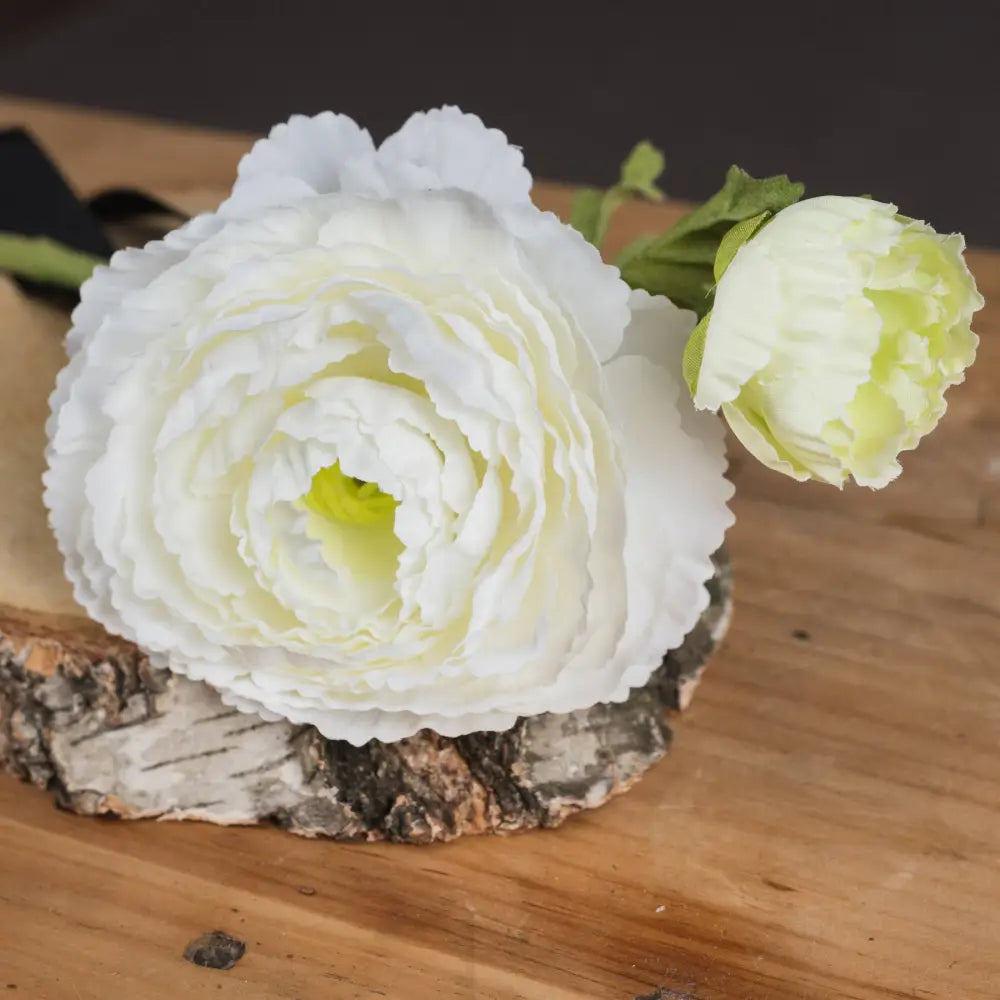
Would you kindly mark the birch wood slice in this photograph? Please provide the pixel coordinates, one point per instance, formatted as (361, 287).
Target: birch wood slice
(84, 715)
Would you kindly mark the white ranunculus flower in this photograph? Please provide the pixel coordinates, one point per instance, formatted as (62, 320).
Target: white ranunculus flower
(835, 332)
(379, 445)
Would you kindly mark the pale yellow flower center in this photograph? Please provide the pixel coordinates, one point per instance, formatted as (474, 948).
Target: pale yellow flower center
(351, 501)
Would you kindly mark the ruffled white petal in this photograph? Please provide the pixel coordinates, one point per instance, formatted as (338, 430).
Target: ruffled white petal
(302, 157)
(444, 148)
(551, 521)
(584, 288)
(129, 270)
(676, 490)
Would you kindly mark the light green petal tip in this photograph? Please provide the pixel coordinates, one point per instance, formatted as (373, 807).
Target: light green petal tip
(342, 498)
(753, 433)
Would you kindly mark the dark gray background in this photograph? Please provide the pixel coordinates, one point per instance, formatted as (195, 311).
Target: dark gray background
(899, 100)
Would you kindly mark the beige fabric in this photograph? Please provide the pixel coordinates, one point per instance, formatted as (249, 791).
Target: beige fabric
(31, 353)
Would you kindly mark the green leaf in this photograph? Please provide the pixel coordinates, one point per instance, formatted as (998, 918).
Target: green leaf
(593, 209)
(741, 197)
(680, 262)
(586, 211)
(642, 169)
(686, 285)
(38, 258)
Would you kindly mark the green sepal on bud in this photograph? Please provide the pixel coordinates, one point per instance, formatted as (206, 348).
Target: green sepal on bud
(694, 351)
(734, 239)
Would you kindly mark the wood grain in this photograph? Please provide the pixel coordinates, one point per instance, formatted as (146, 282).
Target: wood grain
(827, 826)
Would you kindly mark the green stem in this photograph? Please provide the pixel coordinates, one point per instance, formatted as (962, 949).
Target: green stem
(38, 258)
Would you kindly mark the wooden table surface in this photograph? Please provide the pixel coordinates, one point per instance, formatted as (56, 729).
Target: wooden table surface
(827, 826)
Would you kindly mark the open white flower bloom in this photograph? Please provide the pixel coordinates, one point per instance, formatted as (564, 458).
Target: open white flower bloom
(835, 332)
(379, 445)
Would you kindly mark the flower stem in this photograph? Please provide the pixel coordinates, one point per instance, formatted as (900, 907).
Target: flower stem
(39, 258)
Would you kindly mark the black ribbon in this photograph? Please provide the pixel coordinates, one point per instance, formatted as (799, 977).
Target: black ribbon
(36, 200)
(115, 206)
